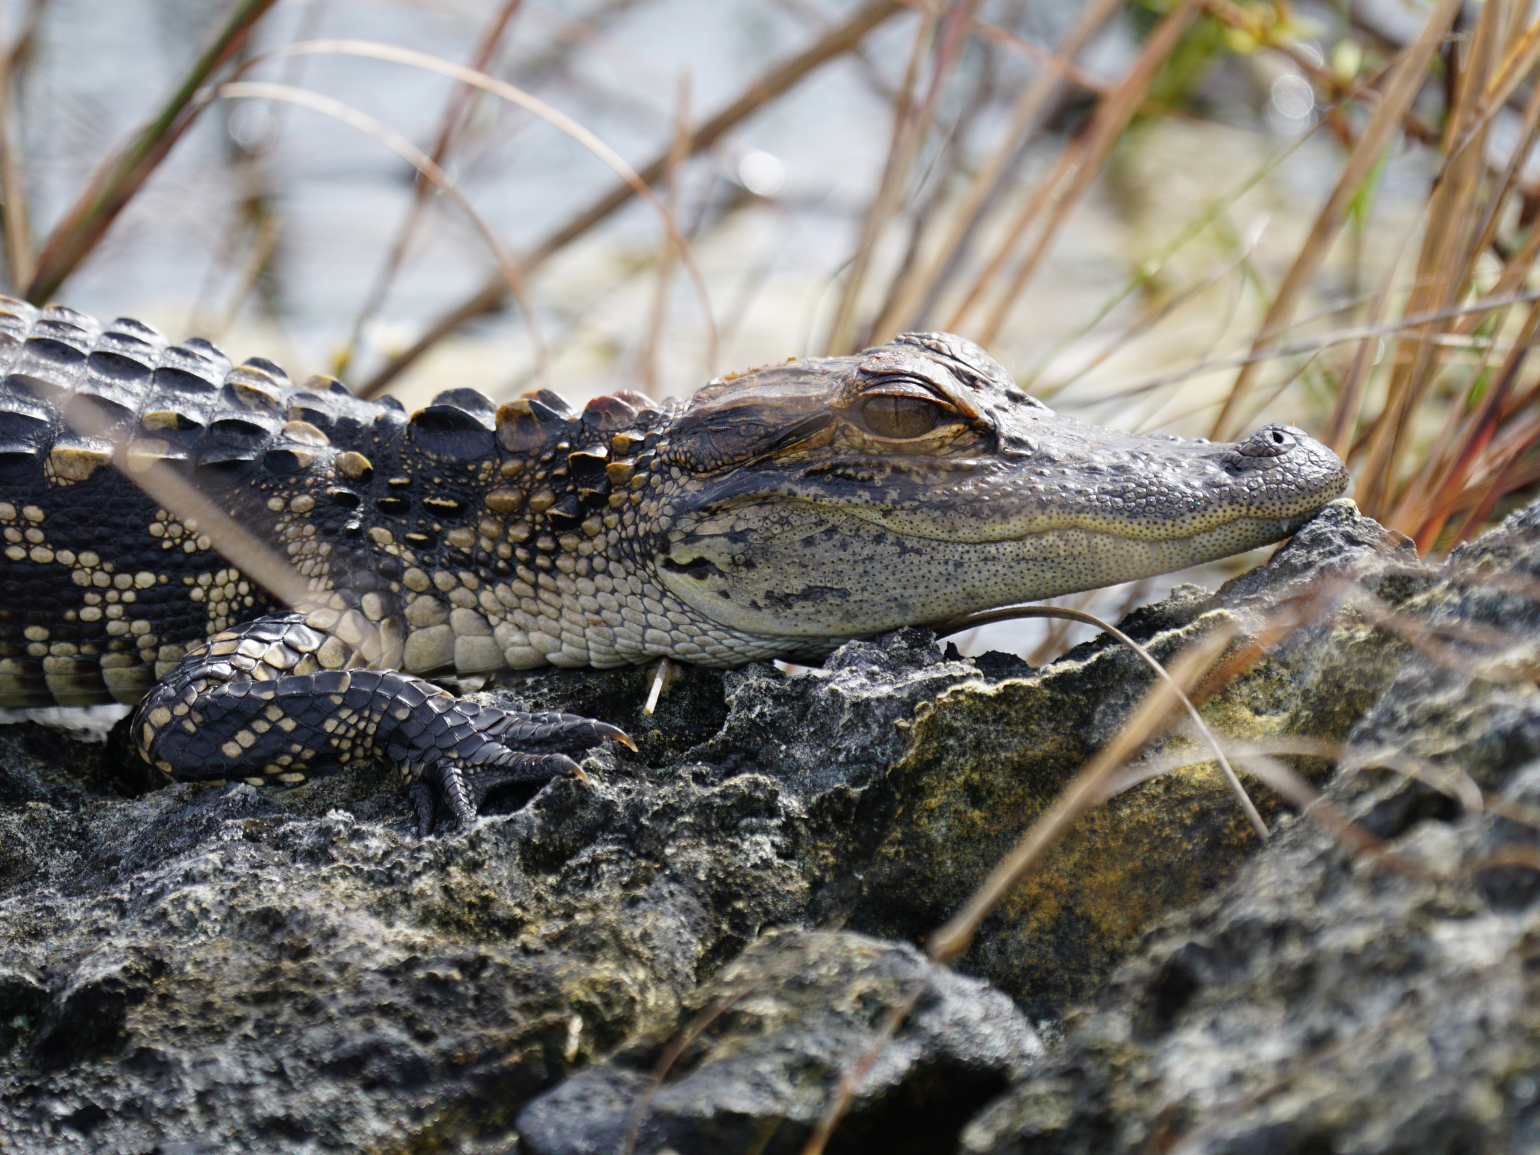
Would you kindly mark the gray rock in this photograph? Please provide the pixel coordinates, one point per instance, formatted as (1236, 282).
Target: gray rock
(1326, 1001)
(986, 759)
(766, 1042)
(242, 969)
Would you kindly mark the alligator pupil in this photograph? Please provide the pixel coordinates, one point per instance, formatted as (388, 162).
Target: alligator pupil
(899, 417)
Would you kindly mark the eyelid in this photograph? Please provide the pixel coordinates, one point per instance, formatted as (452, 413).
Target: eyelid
(906, 387)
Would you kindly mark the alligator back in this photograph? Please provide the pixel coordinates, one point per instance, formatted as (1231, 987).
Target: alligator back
(102, 591)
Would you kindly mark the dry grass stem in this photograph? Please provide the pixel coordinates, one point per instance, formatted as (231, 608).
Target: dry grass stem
(453, 120)
(559, 120)
(121, 176)
(1008, 613)
(256, 558)
(772, 83)
(1402, 85)
(13, 189)
(407, 151)
(916, 293)
(1149, 719)
(1091, 152)
(652, 346)
(910, 125)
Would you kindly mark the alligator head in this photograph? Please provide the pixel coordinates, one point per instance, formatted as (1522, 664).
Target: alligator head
(915, 482)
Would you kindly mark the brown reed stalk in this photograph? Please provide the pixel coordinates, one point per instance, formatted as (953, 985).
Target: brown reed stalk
(771, 84)
(1402, 84)
(124, 172)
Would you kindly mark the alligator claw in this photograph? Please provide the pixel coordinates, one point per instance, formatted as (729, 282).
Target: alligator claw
(605, 730)
(491, 747)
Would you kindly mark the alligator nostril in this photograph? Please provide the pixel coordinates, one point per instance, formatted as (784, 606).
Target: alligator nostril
(1273, 442)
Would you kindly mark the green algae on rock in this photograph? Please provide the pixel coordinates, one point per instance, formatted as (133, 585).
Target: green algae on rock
(1322, 1001)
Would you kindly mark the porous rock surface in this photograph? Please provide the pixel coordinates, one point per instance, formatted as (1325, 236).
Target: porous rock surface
(1333, 1000)
(715, 929)
(736, 1078)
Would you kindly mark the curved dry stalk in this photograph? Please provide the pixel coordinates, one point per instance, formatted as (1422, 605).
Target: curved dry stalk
(397, 54)
(409, 152)
(254, 557)
(1009, 613)
(449, 126)
(770, 84)
(710, 1013)
(839, 1102)
(1149, 719)
(1079, 796)
(1404, 82)
(1509, 854)
(1152, 320)
(1313, 805)
(906, 137)
(915, 296)
(116, 182)
(1359, 333)
(13, 189)
(1149, 768)
(1106, 129)
(1455, 784)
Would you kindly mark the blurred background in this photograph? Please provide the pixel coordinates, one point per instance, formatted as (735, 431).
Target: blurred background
(1184, 216)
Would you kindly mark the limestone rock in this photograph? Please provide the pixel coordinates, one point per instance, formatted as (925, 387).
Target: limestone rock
(986, 759)
(1326, 1001)
(766, 1042)
(251, 970)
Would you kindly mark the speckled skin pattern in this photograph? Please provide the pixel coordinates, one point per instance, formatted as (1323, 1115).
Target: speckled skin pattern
(776, 514)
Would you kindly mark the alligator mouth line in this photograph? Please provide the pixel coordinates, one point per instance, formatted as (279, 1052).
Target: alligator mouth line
(1209, 523)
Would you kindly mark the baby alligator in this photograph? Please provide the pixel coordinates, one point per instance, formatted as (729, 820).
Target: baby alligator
(775, 514)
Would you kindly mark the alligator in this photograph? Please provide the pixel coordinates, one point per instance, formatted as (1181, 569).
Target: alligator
(775, 514)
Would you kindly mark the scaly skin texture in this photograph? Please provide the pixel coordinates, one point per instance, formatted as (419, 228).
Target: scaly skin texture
(778, 513)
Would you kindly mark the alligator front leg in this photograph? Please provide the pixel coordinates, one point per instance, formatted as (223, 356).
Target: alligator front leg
(258, 703)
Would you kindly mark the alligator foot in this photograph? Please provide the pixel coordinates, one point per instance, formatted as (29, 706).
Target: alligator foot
(453, 757)
(225, 713)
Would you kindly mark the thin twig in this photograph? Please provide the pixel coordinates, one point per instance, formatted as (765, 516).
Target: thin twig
(1012, 613)
(449, 127)
(413, 156)
(117, 181)
(775, 81)
(1403, 84)
(1149, 719)
(13, 189)
(652, 347)
(395, 53)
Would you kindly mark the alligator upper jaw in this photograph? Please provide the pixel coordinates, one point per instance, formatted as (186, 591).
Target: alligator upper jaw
(992, 519)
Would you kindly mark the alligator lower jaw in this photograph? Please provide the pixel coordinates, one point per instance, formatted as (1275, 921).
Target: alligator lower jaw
(861, 579)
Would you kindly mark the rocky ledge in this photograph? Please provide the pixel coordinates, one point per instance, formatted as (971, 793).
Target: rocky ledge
(703, 950)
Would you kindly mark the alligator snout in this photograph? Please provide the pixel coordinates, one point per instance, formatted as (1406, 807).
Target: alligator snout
(1304, 473)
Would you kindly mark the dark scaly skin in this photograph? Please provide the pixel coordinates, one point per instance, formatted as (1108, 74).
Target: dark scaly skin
(776, 514)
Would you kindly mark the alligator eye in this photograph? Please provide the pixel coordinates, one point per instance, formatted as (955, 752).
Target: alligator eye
(900, 417)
